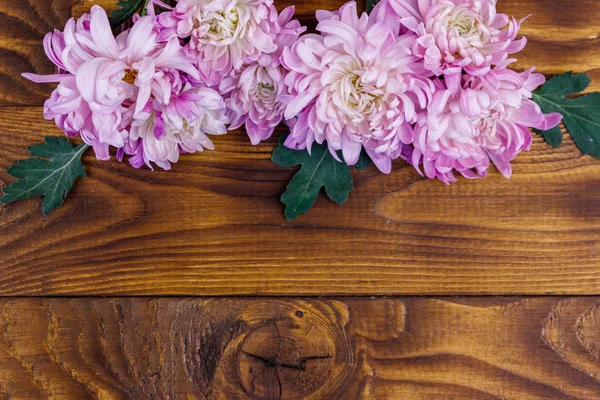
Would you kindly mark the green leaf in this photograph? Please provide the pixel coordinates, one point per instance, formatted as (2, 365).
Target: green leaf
(565, 84)
(581, 115)
(126, 9)
(552, 136)
(51, 176)
(318, 170)
(363, 161)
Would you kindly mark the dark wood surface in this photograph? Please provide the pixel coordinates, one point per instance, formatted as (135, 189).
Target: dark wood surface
(214, 226)
(252, 348)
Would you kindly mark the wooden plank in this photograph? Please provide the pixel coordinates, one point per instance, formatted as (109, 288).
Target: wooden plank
(410, 349)
(214, 226)
(561, 38)
(23, 24)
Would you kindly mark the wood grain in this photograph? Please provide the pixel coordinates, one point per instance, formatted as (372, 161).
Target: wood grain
(23, 25)
(214, 225)
(410, 349)
(561, 38)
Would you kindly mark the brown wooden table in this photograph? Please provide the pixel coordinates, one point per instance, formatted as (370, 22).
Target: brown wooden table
(159, 285)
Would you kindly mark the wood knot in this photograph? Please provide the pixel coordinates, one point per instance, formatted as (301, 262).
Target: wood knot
(297, 356)
(588, 331)
(573, 330)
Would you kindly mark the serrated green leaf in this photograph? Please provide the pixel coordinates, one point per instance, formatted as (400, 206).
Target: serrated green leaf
(565, 84)
(319, 169)
(581, 115)
(286, 157)
(363, 161)
(552, 136)
(126, 8)
(52, 176)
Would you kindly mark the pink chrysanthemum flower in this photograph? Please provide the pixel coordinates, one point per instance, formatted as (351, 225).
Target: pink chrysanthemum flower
(459, 35)
(107, 84)
(163, 131)
(487, 119)
(100, 126)
(223, 33)
(356, 85)
(255, 93)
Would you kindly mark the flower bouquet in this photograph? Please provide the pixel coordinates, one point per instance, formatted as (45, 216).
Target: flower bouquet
(426, 81)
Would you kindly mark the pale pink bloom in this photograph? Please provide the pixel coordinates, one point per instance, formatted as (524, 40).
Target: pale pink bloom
(101, 77)
(96, 122)
(458, 35)
(134, 58)
(73, 115)
(487, 119)
(222, 34)
(256, 93)
(65, 50)
(356, 85)
(161, 132)
(108, 68)
(383, 11)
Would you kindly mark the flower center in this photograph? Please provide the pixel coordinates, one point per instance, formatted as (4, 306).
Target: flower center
(265, 90)
(489, 122)
(220, 25)
(463, 23)
(357, 97)
(463, 26)
(130, 75)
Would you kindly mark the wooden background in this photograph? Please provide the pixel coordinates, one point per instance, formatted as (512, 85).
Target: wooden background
(213, 226)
